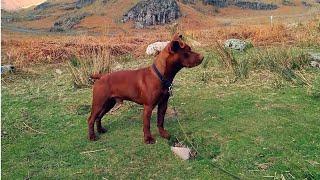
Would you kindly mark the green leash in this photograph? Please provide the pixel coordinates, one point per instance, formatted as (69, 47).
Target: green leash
(213, 164)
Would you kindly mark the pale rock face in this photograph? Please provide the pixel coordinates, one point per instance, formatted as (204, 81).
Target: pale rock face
(153, 12)
(156, 47)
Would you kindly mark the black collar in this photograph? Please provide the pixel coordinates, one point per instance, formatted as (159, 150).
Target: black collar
(165, 83)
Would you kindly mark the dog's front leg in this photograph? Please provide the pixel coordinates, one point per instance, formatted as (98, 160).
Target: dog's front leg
(162, 108)
(147, 111)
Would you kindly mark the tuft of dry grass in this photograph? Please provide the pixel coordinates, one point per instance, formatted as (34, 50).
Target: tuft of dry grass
(27, 50)
(93, 61)
(286, 63)
(225, 55)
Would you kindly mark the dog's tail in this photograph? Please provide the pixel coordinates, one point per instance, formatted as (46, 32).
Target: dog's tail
(96, 76)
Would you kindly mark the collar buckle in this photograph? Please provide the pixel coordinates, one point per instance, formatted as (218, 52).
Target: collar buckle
(170, 90)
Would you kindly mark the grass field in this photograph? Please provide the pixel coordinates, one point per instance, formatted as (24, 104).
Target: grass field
(250, 115)
(253, 128)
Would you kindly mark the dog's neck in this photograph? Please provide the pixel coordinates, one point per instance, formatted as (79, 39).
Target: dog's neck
(167, 67)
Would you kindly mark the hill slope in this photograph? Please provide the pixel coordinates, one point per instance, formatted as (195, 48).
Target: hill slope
(104, 16)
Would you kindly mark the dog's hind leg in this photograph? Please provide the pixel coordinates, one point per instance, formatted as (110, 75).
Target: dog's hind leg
(98, 105)
(94, 114)
(107, 107)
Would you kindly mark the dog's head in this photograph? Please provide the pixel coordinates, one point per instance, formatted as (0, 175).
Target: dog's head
(182, 54)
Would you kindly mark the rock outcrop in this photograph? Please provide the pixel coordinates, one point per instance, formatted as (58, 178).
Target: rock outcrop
(236, 44)
(61, 6)
(188, 1)
(153, 12)
(67, 22)
(82, 3)
(255, 5)
(217, 3)
(43, 6)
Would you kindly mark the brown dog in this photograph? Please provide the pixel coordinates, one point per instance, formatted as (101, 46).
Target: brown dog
(147, 86)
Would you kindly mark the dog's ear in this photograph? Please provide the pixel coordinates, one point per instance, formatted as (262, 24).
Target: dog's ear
(174, 46)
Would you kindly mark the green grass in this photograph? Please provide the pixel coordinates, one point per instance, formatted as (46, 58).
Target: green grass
(247, 128)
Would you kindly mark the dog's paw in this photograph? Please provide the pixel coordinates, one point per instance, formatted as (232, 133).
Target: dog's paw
(102, 130)
(93, 138)
(164, 134)
(149, 140)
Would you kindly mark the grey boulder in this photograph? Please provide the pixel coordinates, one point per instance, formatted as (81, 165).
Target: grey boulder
(236, 44)
(315, 59)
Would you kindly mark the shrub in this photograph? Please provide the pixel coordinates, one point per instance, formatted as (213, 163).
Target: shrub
(282, 61)
(210, 60)
(93, 61)
(242, 69)
(227, 59)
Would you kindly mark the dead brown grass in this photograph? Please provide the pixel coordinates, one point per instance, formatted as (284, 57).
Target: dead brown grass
(25, 50)
(92, 61)
(29, 51)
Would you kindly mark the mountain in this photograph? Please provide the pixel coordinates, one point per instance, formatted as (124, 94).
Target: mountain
(112, 16)
(18, 4)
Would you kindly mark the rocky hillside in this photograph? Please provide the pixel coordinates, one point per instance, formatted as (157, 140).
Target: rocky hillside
(99, 15)
(245, 4)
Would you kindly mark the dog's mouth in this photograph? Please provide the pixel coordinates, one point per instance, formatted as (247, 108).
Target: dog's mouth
(196, 63)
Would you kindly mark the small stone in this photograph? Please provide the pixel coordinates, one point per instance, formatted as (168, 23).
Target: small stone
(292, 25)
(68, 21)
(182, 152)
(3, 133)
(315, 64)
(263, 166)
(58, 71)
(7, 69)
